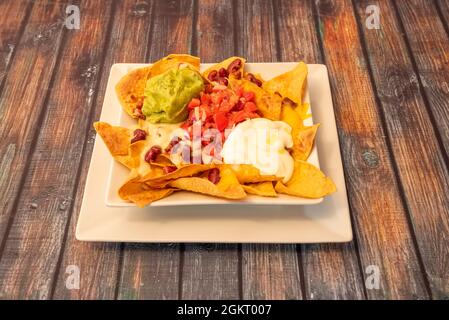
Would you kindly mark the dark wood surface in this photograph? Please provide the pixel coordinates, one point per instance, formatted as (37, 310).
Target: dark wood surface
(390, 90)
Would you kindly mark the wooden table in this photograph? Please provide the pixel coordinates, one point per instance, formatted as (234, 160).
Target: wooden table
(391, 97)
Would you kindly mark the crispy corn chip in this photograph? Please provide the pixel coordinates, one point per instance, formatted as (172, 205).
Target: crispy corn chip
(162, 160)
(270, 105)
(132, 159)
(303, 111)
(290, 116)
(258, 76)
(264, 189)
(247, 173)
(228, 187)
(174, 61)
(141, 194)
(130, 89)
(184, 171)
(291, 84)
(303, 141)
(117, 139)
(224, 64)
(307, 181)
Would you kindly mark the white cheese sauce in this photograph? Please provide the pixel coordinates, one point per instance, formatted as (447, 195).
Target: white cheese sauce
(262, 143)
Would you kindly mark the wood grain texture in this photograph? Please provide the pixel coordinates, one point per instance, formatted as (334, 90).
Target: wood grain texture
(15, 15)
(429, 45)
(414, 141)
(129, 41)
(443, 8)
(212, 271)
(268, 271)
(299, 41)
(34, 242)
(30, 69)
(150, 272)
(380, 219)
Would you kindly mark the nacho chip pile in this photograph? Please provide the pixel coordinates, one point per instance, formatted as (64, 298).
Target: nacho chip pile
(154, 175)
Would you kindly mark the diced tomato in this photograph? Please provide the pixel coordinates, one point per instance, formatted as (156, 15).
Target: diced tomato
(221, 121)
(248, 95)
(250, 107)
(193, 103)
(205, 99)
(217, 98)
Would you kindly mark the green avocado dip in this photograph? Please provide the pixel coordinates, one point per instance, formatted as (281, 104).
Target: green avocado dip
(167, 94)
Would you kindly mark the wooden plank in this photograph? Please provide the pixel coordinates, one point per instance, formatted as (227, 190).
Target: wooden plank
(380, 219)
(414, 141)
(212, 271)
(33, 246)
(171, 33)
(150, 272)
(99, 262)
(443, 9)
(268, 271)
(429, 45)
(15, 15)
(30, 68)
(330, 271)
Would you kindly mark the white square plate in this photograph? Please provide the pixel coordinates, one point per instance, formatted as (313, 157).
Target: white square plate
(118, 174)
(273, 222)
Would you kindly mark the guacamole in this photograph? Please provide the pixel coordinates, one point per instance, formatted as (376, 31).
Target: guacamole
(167, 94)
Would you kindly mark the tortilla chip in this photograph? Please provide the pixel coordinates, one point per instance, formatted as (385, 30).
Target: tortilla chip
(307, 182)
(132, 159)
(174, 61)
(291, 84)
(290, 116)
(162, 160)
(303, 111)
(264, 189)
(269, 104)
(139, 193)
(130, 89)
(224, 64)
(228, 187)
(184, 171)
(258, 76)
(303, 141)
(117, 139)
(247, 173)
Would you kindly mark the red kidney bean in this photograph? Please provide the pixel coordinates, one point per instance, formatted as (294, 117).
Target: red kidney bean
(234, 66)
(238, 106)
(153, 153)
(253, 79)
(172, 143)
(222, 81)
(223, 73)
(214, 175)
(169, 169)
(139, 134)
(213, 75)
